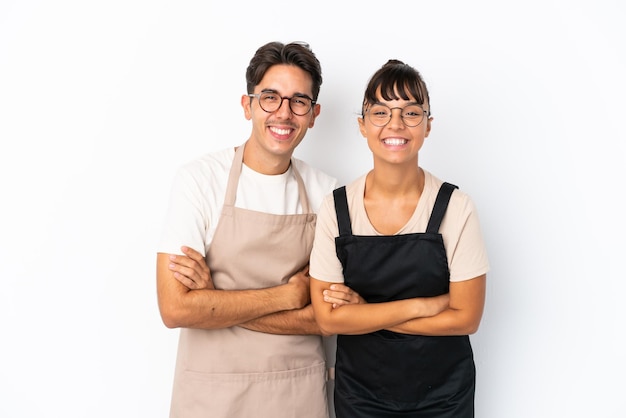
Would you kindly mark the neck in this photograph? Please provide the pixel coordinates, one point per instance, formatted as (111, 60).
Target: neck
(263, 162)
(395, 181)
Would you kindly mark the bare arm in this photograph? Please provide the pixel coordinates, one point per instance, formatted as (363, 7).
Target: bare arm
(337, 295)
(279, 323)
(467, 300)
(209, 308)
(359, 318)
(294, 322)
(191, 270)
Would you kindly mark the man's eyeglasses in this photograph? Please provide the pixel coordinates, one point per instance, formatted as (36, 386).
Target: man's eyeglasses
(270, 102)
(380, 114)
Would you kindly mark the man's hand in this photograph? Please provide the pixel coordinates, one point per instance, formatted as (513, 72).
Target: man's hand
(299, 283)
(339, 294)
(191, 269)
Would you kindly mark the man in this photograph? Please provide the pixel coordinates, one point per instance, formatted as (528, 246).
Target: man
(249, 344)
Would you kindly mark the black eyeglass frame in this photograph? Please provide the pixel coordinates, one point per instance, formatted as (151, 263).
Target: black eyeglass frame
(302, 96)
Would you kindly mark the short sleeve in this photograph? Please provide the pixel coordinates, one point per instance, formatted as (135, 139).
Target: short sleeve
(467, 255)
(324, 264)
(185, 221)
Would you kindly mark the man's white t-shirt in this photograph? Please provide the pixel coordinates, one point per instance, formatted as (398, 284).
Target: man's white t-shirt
(198, 191)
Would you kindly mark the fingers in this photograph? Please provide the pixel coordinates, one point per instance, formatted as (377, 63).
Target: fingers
(193, 254)
(302, 275)
(194, 259)
(191, 269)
(184, 274)
(186, 281)
(340, 295)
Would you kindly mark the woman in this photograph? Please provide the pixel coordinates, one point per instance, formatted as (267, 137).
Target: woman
(410, 245)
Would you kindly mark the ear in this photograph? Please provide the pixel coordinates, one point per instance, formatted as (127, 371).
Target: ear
(246, 104)
(362, 126)
(428, 126)
(315, 112)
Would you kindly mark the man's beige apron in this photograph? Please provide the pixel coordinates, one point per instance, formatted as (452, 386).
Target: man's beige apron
(234, 372)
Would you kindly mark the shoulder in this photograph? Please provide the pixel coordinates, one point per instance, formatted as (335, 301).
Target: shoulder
(213, 161)
(314, 177)
(460, 202)
(210, 166)
(205, 177)
(354, 197)
(356, 187)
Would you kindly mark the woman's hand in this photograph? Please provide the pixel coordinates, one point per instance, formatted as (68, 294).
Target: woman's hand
(191, 269)
(339, 295)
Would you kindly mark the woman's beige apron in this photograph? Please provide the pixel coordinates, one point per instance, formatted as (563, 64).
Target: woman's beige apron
(234, 372)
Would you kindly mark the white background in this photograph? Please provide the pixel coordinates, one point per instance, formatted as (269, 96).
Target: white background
(100, 102)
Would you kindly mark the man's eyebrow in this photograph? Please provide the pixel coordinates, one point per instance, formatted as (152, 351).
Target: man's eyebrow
(296, 94)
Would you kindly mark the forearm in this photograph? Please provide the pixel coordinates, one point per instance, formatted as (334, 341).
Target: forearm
(210, 308)
(462, 316)
(293, 322)
(366, 318)
(335, 316)
(447, 323)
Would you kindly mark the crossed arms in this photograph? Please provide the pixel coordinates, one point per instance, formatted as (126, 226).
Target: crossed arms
(304, 305)
(187, 298)
(456, 313)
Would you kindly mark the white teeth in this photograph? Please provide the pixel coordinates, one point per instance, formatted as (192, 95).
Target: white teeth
(394, 141)
(281, 131)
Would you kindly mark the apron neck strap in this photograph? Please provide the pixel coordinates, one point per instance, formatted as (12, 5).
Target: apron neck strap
(235, 172)
(441, 204)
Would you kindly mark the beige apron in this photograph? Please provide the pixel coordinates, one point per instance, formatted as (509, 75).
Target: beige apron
(234, 372)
